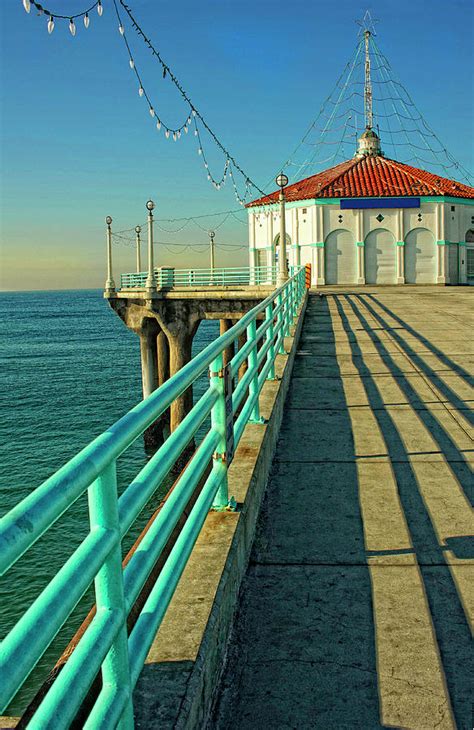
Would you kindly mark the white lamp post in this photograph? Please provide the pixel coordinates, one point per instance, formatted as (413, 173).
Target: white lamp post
(110, 283)
(137, 238)
(150, 281)
(281, 181)
(211, 244)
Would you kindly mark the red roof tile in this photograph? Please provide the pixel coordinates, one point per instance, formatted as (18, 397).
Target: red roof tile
(365, 177)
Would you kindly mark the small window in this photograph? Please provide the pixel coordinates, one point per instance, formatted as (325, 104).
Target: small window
(380, 218)
(472, 218)
(340, 218)
(453, 208)
(305, 210)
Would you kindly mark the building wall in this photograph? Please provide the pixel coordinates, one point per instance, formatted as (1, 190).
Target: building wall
(309, 223)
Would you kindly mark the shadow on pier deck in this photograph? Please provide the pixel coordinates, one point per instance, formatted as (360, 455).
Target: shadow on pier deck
(356, 608)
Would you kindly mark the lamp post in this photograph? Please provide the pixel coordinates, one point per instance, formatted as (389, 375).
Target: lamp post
(281, 181)
(110, 283)
(211, 249)
(150, 284)
(139, 257)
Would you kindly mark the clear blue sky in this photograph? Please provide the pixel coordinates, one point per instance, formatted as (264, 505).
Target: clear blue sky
(78, 142)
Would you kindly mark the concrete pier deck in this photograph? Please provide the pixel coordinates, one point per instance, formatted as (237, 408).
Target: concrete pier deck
(357, 607)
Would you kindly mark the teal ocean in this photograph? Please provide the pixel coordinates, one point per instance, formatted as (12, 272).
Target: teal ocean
(70, 369)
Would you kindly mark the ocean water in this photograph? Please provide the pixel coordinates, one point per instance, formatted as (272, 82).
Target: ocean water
(69, 369)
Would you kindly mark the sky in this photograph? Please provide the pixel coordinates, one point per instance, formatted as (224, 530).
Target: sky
(78, 143)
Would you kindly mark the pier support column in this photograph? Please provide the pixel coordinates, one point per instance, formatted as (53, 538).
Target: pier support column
(149, 357)
(180, 354)
(163, 352)
(149, 333)
(228, 354)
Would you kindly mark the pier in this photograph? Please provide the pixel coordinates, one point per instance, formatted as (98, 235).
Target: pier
(312, 564)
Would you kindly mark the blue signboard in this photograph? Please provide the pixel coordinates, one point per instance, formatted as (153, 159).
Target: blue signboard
(351, 203)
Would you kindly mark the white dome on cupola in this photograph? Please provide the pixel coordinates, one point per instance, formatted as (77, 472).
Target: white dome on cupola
(369, 144)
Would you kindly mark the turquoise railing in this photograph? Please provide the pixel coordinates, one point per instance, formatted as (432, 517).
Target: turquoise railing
(105, 646)
(168, 277)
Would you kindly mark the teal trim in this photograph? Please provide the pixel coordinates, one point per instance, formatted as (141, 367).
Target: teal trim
(442, 243)
(360, 243)
(337, 201)
(461, 243)
(400, 243)
(447, 199)
(318, 245)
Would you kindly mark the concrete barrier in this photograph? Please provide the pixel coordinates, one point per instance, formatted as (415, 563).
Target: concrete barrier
(177, 684)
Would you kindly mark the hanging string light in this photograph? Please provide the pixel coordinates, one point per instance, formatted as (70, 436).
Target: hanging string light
(57, 16)
(229, 159)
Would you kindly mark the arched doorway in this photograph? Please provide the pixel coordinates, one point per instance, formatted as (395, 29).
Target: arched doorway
(380, 254)
(276, 250)
(420, 257)
(340, 258)
(470, 257)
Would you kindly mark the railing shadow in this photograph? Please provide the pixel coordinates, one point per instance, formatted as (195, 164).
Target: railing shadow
(455, 457)
(429, 345)
(452, 631)
(302, 653)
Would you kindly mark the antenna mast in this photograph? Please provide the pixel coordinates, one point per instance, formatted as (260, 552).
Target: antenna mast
(369, 117)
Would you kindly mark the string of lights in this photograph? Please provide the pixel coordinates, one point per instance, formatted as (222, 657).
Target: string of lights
(190, 219)
(194, 112)
(52, 16)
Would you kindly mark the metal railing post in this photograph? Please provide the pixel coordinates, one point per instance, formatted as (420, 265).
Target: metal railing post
(109, 594)
(218, 423)
(281, 322)
(286, 311)
(253, 366)
(270, 336)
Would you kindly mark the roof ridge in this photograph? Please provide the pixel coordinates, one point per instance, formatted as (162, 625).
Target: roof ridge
(334, 180)
(396, 163)
(317, 174)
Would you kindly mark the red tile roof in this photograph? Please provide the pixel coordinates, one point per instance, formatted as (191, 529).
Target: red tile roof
(365, 177)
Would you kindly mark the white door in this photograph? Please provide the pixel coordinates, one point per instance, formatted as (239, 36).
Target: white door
(262, 273)
(453, 263)
(380, 254)
(470, 265)
(420, 257)
(340, 258)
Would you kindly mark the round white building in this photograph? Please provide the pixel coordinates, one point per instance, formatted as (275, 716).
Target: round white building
(370, 220)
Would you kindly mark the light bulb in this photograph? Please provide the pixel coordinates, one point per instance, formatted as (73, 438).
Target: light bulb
(27, 5)
(72, 27)
(199, 151)
(140, 91)
(206, 165)
(132, 63)
(152, 112)
(208, 176)
(189, 121)
(185, 129)
(179, 133)
(121, 29)
(218, 186)
(175, 136)
(167, 133)
(158, 125)
(195, 133)
(100, 9)
(50, 24)
(86, 20)
(194, 112)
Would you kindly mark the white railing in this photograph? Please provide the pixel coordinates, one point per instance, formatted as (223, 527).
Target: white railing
(168, 278)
